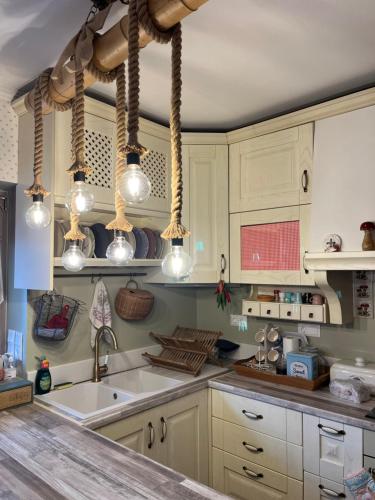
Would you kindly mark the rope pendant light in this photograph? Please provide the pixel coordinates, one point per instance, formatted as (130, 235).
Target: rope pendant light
(38, 215)
(134, 186)
(119, 252)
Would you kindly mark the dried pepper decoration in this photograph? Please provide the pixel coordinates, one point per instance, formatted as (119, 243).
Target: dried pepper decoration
(222, 292)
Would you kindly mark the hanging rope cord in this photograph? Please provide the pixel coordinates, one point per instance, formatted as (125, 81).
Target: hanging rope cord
(120, 223)
(175, 228)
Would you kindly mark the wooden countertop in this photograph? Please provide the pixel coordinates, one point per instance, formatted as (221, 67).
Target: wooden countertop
(320, 403)
(45, 456)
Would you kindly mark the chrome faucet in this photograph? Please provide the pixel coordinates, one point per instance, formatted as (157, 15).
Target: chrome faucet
(102, 369)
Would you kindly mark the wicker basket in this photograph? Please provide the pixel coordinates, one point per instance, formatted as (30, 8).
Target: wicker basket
(133, 304)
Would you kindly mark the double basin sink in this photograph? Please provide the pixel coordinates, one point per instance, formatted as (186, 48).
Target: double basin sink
(89, 399)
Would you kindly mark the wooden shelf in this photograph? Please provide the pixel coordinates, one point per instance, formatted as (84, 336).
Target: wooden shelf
(340, 261)
(106, 263)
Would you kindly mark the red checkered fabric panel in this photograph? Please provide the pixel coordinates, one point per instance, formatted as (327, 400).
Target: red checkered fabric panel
(274, 247)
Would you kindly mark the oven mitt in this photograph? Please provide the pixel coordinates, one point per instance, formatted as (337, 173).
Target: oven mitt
(361, 485)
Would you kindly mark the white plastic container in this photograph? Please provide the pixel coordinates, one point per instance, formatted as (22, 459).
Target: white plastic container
(345, 369)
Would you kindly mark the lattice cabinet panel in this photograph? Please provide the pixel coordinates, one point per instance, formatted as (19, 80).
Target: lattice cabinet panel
(154, 165)
(99, 156)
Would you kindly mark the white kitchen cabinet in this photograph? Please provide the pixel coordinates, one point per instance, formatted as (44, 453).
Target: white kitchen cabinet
(268, 246)
(331, 450)
(271, 171)
(206, 210)
(174, 434)
(319, 488)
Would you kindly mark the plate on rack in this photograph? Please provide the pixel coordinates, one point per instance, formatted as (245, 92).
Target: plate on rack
(59, 242)
(151, 254)
(88, 244)
(142, 244)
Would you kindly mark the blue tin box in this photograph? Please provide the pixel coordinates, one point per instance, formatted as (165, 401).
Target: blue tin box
(302, 364)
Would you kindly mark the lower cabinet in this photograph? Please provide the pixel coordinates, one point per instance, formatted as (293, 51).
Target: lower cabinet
(249, 481)
(316, 488)
(174, 434)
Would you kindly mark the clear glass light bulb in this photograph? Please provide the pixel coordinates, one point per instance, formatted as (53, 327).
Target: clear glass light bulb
(120, 251)
(73, 259)
(177, 264)
(134, 186)
(38, 215)
(80, 198)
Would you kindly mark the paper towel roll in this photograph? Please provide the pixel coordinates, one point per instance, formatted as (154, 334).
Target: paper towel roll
(290, 344)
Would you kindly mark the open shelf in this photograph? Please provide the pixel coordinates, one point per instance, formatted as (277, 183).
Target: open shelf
(106, 263)
(340, 261)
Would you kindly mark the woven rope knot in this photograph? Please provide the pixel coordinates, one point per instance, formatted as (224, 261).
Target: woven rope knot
(80, 166)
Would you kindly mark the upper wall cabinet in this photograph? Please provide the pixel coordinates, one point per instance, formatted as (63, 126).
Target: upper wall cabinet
(206, 210)
(100, 153)
(271, 171)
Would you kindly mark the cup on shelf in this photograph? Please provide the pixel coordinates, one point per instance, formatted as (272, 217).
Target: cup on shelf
(316, 299)
(282, 296)
(298, 298)
(306, 298)
(288, 297)
(260, 336)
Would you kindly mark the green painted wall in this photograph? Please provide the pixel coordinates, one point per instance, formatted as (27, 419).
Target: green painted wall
(342, 342)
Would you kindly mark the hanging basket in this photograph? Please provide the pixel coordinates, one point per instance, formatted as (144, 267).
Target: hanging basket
(55, 315)
(132, 304)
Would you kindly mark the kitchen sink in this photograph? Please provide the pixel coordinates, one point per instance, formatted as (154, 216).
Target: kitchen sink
(86, 399)
(141, 380)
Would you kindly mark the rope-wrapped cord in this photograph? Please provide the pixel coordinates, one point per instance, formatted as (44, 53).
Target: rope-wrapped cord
(44, 82)
(101, 76)
(133, 145)
(175, 228)
(120, 223)
(37, 187)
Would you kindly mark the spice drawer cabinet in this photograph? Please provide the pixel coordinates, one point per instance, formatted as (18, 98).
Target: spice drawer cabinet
(174, 434)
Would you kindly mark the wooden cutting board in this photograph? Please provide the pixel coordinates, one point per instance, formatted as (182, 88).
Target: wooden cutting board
(15, 392)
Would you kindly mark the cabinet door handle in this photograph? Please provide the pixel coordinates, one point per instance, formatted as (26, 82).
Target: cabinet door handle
(331, 493)
(305, 181)
(164, 429)
(223, 263)
(253, 416)
(151, 435)
(250, 309)
(252, 448)
(331, 430)
(251, 473)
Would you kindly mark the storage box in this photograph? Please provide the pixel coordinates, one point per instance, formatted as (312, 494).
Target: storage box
(302, 364)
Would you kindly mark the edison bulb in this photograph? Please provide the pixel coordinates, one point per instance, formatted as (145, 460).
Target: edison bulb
(177, 264)
(73, 259)
(80, 198)
(134, 186)
(38, 215)
(120, 251)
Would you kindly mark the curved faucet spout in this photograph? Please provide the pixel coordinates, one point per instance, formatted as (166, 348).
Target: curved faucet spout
(102, 369)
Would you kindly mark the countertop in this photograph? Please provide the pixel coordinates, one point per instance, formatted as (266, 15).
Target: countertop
(320, 403)
(45, 456)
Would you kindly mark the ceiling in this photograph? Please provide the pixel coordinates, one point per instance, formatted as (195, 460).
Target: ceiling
(243, 60)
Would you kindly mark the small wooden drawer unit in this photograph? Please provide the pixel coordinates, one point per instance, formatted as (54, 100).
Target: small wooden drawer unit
(250, 308)
(319, 488)
(269, 310)
(331, 450)
(240, 478)
(313, 313)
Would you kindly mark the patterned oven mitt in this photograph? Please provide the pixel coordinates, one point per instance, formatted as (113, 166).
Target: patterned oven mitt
(361, 485)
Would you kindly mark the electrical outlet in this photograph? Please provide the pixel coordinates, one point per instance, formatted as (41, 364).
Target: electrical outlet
(309, 330)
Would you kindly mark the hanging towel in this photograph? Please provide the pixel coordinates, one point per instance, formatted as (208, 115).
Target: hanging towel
(361, 485)
(100, 313)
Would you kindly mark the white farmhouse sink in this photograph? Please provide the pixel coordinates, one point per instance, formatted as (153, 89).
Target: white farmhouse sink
(141, 380)
(86, 399)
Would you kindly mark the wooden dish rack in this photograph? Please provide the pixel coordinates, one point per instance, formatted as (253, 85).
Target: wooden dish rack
(186, 350)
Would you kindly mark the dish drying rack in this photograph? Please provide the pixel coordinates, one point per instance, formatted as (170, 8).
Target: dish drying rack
(186, 350)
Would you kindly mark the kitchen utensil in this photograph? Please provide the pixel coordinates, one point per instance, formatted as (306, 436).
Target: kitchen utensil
(59, 320)
(273, 355)
(316, 299)
(260, 336)
(265, 298)
(260, 356)
(290, 344)
(273, 335)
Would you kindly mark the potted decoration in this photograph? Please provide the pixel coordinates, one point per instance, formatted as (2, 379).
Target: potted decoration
(368, 242)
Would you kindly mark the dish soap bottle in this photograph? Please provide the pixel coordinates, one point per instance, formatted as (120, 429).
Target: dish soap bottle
(43, 380)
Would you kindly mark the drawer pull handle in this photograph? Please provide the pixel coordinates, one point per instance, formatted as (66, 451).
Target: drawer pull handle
(252, 448)
(251, 473)
(331, 493)
(163, 429)
(152, 435)
(311, 315)
(250, 309)
(253, 416)
(289, 313)
(305, 181)
(330, 430)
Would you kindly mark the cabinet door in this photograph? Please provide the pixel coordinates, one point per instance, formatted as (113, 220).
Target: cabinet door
(273, 170)
(206, 210)
(185, 435)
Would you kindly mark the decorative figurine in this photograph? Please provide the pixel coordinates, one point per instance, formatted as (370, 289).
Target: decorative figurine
(332, 243)
(367, 243)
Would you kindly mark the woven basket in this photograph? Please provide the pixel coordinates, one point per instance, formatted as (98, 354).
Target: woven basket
(133, 304)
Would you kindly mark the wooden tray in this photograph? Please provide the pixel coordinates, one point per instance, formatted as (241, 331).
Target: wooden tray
(301, 383)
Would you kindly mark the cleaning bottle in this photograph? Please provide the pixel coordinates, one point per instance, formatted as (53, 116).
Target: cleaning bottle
(43, 380)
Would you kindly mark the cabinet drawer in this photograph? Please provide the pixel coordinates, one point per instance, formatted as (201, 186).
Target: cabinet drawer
(250, 413)
(250, 445)
(290, 311)
(243, 479)
(250, 308)
(317, 488)
(331, 450)
(312, 313)
(269, 310)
